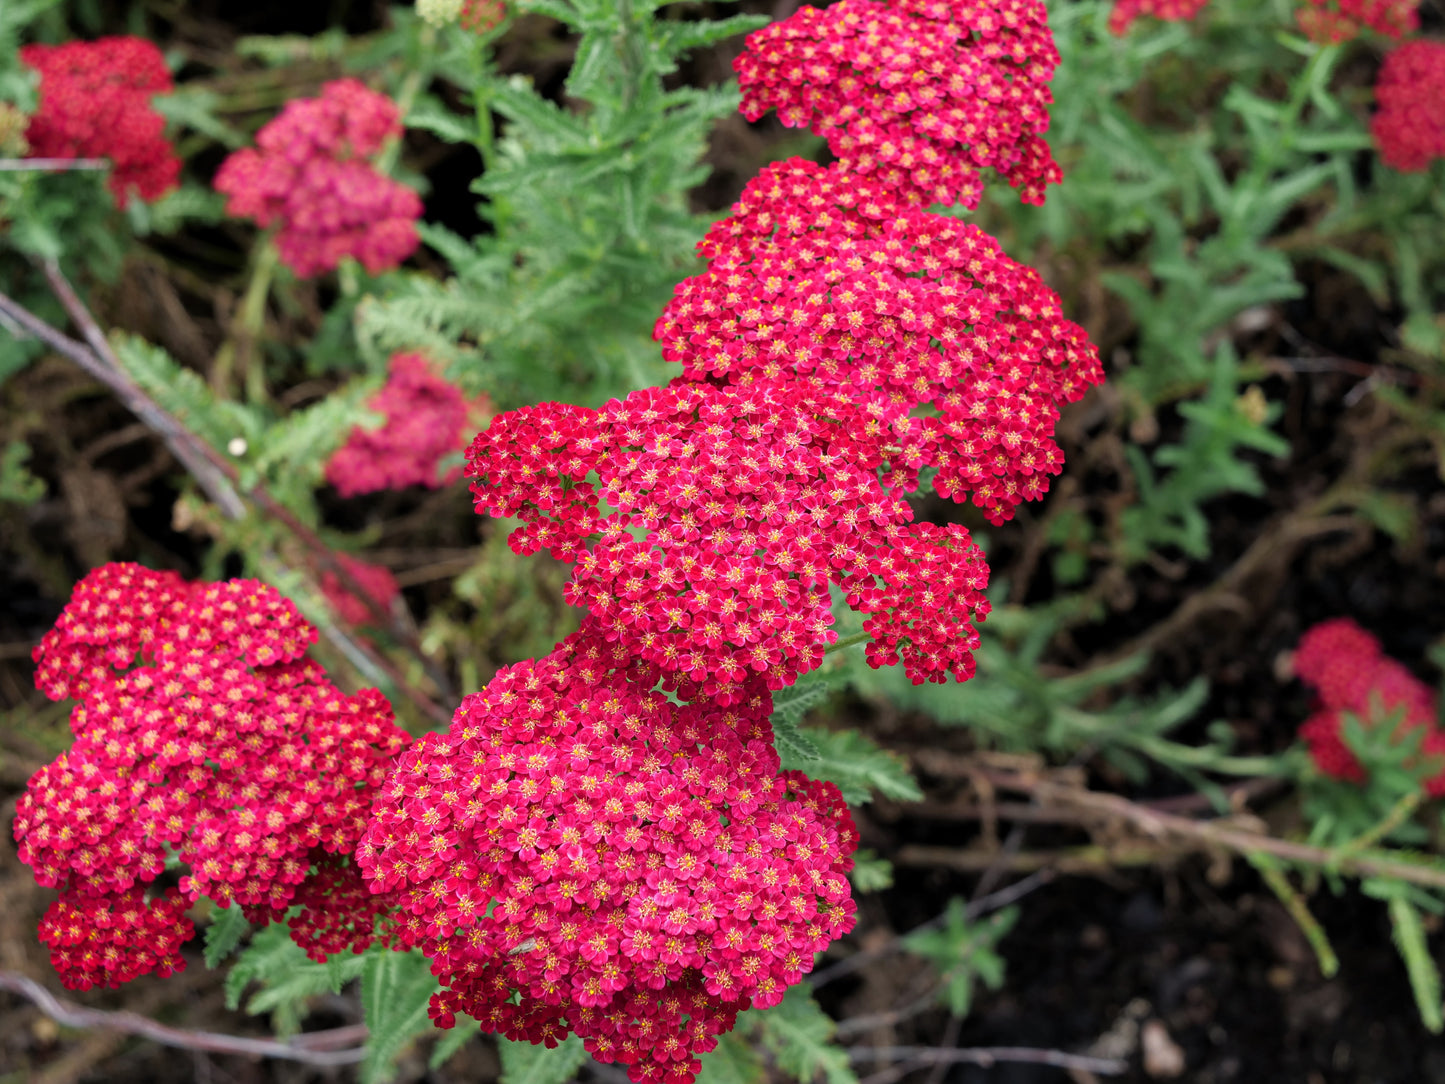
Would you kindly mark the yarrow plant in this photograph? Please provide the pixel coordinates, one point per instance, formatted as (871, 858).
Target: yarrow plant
(918, 95)
(1409, 126)
(603, 843)
(201, 732)
(95, 102)
(311, 175)
(1350, 674)
(427, 419)
(1342, 20)
(579, 853)
(1126, 11)
(478, 16)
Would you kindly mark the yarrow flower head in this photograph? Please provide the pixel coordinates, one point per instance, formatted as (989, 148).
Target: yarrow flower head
(200, 731)
(1335, 21)
(376, 580)
(310, 175)
(920, 96)
(733, 511)
(427, 419)
(1409, 126)
(95, 102)
(478, 16)
(1349, 673)
(578, 853)
(1126, 11)
(820, 275)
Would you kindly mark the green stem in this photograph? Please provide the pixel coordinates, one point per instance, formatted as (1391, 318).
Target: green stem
(848, 641)
(250, 321)
(1399, 813)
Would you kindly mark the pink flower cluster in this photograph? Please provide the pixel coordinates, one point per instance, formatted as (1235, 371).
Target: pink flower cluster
(95, 103)
(480, 16)
(200, 731)
(918, 95)
(311, 176)
(427, 418)
(1346, 668)
(580, 853)
(1409, 127)
(1340, 20)
(1126, 11)
(819, 275)
(731, 511)
(376, 580)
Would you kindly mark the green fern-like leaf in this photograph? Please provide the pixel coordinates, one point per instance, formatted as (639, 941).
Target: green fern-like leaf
(288, 978)
(800, 1034)
(734, 1061)
(1409, 933)
(856, 766)
(533, 1063)
(396, 990)
(227, 927)
(184, 394)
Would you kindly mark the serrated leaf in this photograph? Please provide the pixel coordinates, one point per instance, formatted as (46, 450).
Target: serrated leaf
(461, 1033)
(185, 394)
(734, 1061)
(544, 122)
(288, 978)
(870, 873)
(799, 1034)
(429, 115)
(228, 926)
(533, 1063)
(1410, 939)
(396, 990)
(856, 766)
(677, 38)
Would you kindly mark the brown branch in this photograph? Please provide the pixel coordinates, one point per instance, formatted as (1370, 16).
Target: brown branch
(50, 165)
(1163, 831)
(331, 1047)
(988, 1056)
(217, 477)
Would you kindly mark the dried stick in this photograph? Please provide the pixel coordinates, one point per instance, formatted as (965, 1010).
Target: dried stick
(331, 1047)
(1162, 828)
(988, 1056)
(50, 165)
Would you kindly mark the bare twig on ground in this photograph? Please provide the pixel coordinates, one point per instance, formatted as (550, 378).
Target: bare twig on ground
(918, 1057)
(1160, 835)
(336, 1046)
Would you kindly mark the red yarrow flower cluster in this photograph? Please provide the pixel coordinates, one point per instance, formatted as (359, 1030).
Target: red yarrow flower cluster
(480, 16)
(1334, 21)
(201, 732)
(730, 511)
(427, 419)
(1126, 11)
(578, 853)
(377, 582)
(1409, 127)
(1349, 673)
(310, 174)
(921, 96)
(818, 274)
(110, 939)
(95, 102)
